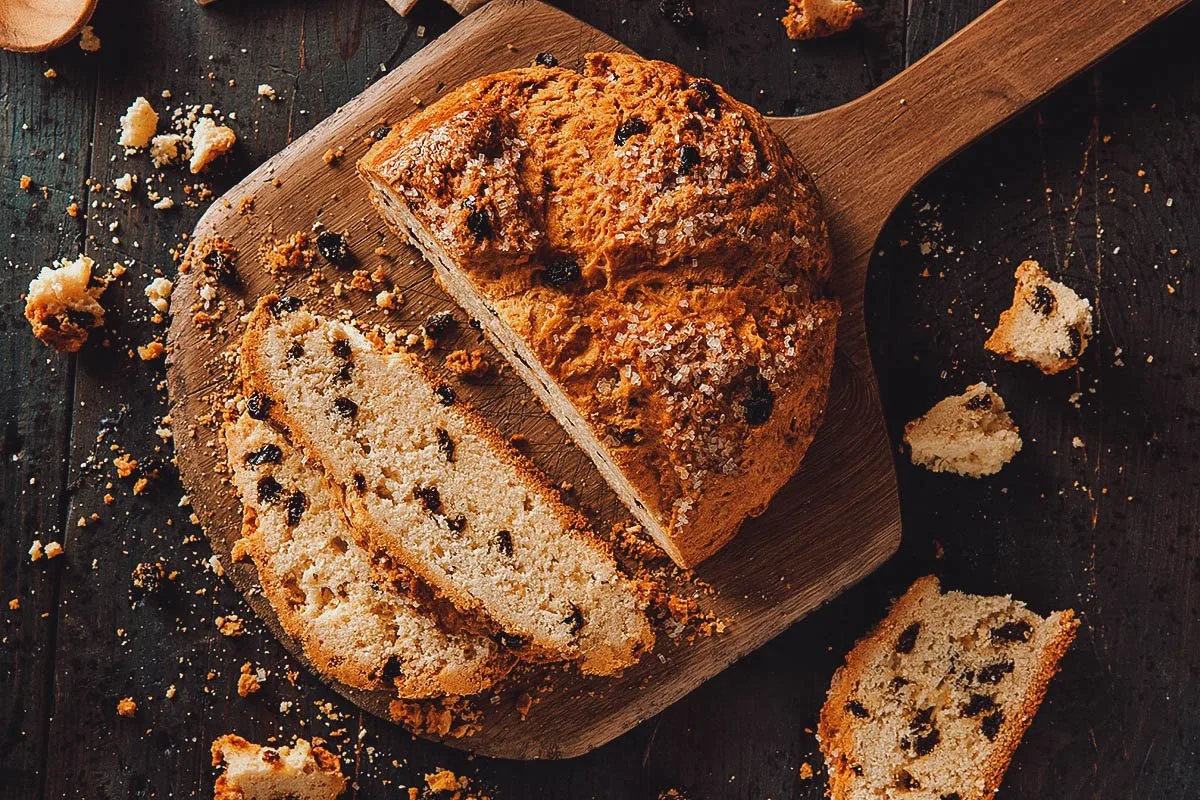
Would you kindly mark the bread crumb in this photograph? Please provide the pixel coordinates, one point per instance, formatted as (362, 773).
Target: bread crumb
(36, 552)
(53, 549)
(124, 183)
(73, 210)
(333, 155)
(248, 682)
(164, 205)
(230, 625)
(166, 149)
(89, 42)
(471, 365)
(126, 707)
(210, 141)
(63, 304)
(969, 434)
(138, 124)
(806, 771)
(26, 182)
(50, 73)
(14, 604)
(159, 293)
(125, 465)
(267, 91)
(814, 19)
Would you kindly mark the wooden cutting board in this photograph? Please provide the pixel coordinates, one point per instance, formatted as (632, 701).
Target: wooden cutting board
(837, 520)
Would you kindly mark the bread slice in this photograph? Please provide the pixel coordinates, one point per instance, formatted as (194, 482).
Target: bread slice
(254, 772)
(361, 630)
(651, 260)
(932, 704)
(431, 484)
(815, 19)
(969, 434)
(1048, 324)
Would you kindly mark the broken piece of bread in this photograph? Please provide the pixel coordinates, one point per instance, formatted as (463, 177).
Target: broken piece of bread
(254, 772)
(210, 141)
(933, 703)
(814, 19)
(970, 434)
(1048, 324)
(63, 304)
(138, 124)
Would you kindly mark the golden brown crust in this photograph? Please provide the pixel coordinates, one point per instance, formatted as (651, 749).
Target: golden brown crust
(662, 255)
(815, 19)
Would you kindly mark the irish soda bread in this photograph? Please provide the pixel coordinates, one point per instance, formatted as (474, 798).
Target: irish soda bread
(437, 489)
(650, 258)
(932, 704)
(1048, 324)
(970, 434)
(254, 772)
(365, 632)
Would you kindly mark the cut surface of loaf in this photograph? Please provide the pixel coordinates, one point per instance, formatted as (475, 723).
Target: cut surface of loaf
(255, 772)
(356, 627)
(932, 704)
(649, 257)
(1048, 324)
(432, 485)
(969, 434)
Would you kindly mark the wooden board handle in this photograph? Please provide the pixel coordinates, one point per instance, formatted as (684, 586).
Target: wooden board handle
(877, 148)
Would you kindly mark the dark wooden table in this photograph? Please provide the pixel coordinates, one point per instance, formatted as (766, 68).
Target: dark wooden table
(1098, 512)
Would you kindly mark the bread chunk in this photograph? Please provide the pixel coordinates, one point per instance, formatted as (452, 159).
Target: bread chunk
(651, 260)
(1048, 324)
(364, 631)
(969, 434)
(138, 124)
(814, 19)
(63, 304)
(254, 772)
(933, 702)
(432, 485)
(210, 141)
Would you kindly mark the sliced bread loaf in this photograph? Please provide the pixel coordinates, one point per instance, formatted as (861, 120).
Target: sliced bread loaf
(932, 704)
(431, 484)
(362, 631)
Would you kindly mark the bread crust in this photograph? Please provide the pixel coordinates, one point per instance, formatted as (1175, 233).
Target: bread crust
(659, 252)
(836, 726)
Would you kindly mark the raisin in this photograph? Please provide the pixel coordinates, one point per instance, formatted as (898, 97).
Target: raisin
(504, 543)
(951, 796)
(626, 436)
(978, 704)
(509, 640)
(574, 620)
(341, 348)
(689, 156)
(285, 305)
(457, 523)
(267, 454)
(991, 725)
(333, 248)
(856, 769)
(445, 444)
(908, 638)
(270, 755)
(479, 224)
(429, 496)
(380, 132)
(296, 503)
(269, 490)
(391, 669)
(445, 394)
(436, 325)
(258, 406)
(857, 709)
(345, 408)
(561, 271)
(296, 351)
(1075, 344)
(360, 483)
(897, 683)
(994, 673)
(475, 324)
(706, 93)
(1018, 631)
(907, 781)
(979, 402)
(759, 403)
(546, 60)
(1043, 301)
(220, 265)
(344, 373)
(927, 735)
(628, 129)
(678, 12)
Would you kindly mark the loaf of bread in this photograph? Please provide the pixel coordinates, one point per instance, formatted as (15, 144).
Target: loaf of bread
(1048, 324)
(650, 258)
(932, 704)
(437, 489)
(363, 631)
(254, 772)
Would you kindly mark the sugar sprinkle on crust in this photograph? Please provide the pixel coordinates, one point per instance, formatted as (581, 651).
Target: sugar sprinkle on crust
(439, 518)
(970, 434)
(934, 701)
(1048, 324)
(649, 257)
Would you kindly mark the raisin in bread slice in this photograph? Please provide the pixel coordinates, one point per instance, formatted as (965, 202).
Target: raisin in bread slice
(432, 485)
(255, 772)
(365, 632)
(651, 260)
(969, 434)
(932, 704)
(1048, 324)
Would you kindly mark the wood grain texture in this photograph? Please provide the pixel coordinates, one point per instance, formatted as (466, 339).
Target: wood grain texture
(835, 522)
(1122, 720)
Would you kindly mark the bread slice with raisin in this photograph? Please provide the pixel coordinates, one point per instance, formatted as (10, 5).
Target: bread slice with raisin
(649, 257)
(970, 434)
(436, 488)
(1048, 324)
(932, 704)
(254, 772)
(363, 631)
